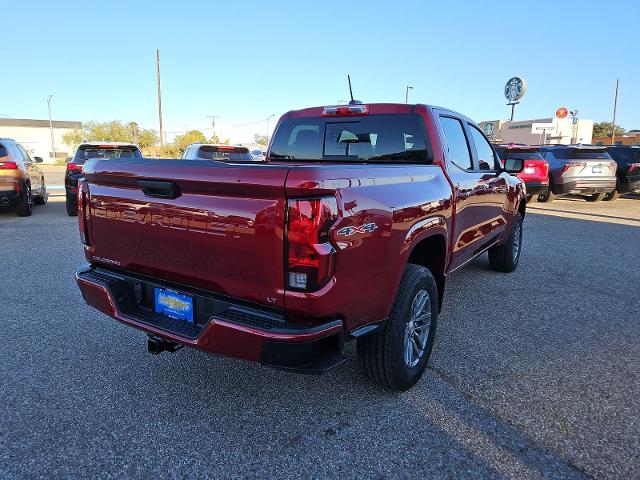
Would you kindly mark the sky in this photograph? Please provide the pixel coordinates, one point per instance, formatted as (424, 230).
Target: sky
(244, 61)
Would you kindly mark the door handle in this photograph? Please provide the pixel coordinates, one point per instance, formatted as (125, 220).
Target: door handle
(159, 189)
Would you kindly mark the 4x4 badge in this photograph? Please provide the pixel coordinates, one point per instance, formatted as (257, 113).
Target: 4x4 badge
(366, 228)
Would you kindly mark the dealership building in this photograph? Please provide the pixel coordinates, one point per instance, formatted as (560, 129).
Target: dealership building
(36, 136)
(541, 131)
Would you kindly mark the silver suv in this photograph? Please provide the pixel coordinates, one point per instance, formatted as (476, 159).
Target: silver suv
(579, 170)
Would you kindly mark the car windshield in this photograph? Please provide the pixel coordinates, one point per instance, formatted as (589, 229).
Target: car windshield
(581, 154)
(371, 138)
(107, 151)
(519, 154)
(625, 155)
(237, 154)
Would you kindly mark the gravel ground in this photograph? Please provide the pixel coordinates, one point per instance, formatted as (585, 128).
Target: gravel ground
(533, 375)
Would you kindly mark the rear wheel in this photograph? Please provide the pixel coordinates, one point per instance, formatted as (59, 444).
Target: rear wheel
(611, 196)
(25, 207)
(595, 198)
(548, 196)
(43, 197)
(505, 258)
(395, 358)
(72, 207)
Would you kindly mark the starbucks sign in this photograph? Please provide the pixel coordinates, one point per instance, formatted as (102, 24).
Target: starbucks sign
(514, 89)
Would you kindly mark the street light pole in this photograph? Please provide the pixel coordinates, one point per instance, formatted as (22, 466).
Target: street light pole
(615, 108)
(53, 146)
(406, 94)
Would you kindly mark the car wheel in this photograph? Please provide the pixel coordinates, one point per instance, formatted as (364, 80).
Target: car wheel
(43, 197)
(395, 358)
(548, 196)
(72, 207)
(611, 196)
(595, 198)
(25, 207)
(505, 258)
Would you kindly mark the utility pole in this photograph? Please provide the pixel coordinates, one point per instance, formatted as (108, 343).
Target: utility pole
(53, 146)
(159, 98)
(406, 94)
(268, 119)
(615, 107)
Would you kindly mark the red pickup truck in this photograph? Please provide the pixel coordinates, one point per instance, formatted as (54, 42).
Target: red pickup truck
(347, 231)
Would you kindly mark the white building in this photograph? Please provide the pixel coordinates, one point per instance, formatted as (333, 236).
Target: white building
(542, 131)
(35, 136)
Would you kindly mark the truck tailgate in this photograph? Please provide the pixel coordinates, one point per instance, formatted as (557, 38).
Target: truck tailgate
(200, 223)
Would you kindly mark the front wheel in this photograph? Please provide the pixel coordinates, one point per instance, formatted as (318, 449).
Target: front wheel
(396, 357)
(595, 198)
(505, 258)
(611, 196)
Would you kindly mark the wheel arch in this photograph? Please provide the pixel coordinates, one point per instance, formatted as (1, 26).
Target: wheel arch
(431, 252)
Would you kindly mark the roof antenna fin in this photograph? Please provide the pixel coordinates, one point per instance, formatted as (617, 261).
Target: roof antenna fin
(352, 102)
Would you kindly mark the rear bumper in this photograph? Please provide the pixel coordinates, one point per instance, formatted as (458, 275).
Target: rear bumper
(536, 187)
(222, 325)
(585, 187)
(10, 197)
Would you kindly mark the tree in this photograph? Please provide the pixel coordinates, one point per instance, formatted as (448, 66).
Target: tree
(114, 131)
(603, 129)
(260, 139)
(214, 138)
(186, 139)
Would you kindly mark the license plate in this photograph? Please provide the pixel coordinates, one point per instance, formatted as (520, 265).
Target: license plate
(174, 304)
(597, 169)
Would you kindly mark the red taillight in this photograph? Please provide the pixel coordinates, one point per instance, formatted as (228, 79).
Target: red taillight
(74, 167)
(345, 110)
(568, 165)
(84, 212)
(8, 166)
(310, 256)
(633, 166)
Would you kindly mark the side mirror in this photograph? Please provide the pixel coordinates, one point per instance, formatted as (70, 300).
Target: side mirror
(513, 165)
(38, 159)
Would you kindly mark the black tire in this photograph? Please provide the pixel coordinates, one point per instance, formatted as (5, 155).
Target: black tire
(43, 197)
(381, 355)
(25, 207)
(595, 197)
(72, 207)
(611, 196)
(548, 196)
(505, 258)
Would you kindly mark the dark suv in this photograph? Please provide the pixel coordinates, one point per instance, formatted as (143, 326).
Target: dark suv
(85, 152)
(584, 170)
(628, 174)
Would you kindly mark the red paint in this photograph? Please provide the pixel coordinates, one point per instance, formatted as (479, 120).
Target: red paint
(226, 231)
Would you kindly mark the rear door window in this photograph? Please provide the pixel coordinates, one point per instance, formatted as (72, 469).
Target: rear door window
(371, 138)
(457, 145)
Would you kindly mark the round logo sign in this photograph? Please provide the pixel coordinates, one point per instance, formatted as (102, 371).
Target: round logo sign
(562, 112)
(488, 129)
(514, 89)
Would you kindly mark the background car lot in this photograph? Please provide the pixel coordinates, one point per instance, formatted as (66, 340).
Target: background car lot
(547, 386)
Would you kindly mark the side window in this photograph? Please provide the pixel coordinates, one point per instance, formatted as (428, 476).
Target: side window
(187, 153)
(456, 143)
(486, 157)
(21, 156)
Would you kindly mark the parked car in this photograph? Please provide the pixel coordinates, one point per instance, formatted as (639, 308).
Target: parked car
(584, 170)
(223, 153)
(628, 173)
(536, 169)
(86, 151)
(21, 181)
(348, 231)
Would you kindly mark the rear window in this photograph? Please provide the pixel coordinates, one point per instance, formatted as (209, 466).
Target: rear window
(625, 155)
(3, 151)
(231, 154)
(372, 138)
(509, 153)
(580, 154)
(86, 153)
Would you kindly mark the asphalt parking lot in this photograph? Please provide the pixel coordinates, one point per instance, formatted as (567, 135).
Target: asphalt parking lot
(534, 374)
